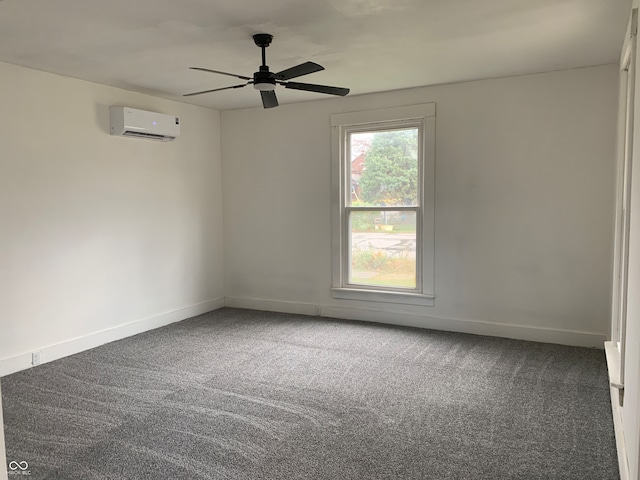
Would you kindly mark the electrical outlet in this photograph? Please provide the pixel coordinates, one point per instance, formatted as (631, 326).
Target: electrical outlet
(35, 358)
(318, 311)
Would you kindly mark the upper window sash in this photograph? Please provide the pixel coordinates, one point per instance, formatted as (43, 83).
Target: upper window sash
(377, 127)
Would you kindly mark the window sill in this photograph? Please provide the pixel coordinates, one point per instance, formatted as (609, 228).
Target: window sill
(613, 363)
(383, 297)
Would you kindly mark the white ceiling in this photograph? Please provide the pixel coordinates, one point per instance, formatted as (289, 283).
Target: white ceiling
(366, 45)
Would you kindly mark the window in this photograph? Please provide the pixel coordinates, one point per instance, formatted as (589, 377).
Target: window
(383, 196)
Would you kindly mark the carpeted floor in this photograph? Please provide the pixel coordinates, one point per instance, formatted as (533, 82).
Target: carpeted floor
(237, 394)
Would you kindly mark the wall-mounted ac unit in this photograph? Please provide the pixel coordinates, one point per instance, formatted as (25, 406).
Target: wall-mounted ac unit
(130, 122)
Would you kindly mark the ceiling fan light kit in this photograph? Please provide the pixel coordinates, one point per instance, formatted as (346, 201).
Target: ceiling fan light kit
(265, 81)
(265, 87)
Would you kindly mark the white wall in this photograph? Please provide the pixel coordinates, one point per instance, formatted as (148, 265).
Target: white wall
(524, 201)
(97, 231)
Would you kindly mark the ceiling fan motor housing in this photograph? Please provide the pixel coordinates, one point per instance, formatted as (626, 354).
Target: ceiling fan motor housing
(264, 79)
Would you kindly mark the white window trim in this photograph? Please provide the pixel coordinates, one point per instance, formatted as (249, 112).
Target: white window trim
(423, 114)
(615, 349)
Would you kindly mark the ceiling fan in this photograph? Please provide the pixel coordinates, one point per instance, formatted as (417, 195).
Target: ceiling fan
(266, 81)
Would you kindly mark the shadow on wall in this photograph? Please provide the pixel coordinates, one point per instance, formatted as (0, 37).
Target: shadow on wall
(102, 117)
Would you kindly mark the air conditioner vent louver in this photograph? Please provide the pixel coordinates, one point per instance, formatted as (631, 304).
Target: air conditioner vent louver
(151, 136)
(130, 122)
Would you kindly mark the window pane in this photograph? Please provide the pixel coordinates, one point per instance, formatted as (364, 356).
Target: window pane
(383, 248)
(384, 167)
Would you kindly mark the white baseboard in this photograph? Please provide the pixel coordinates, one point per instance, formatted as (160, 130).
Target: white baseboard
(476, 327)
(272, 305)
(615, 389)
(3, 455)
(49, 353)
(620, 443)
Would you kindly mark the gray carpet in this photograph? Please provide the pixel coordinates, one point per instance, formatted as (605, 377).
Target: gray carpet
(238, 394)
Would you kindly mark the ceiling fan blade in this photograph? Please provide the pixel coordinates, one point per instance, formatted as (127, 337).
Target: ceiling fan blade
(309, 87)
(241, 77)
(269, 99)
(299, 70)
(216, 90)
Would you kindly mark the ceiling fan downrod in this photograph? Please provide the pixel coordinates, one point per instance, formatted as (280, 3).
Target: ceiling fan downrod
(263, 40)
(263, 79)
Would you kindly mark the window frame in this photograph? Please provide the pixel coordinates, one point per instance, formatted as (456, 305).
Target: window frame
(615, 349)
(342, 125)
